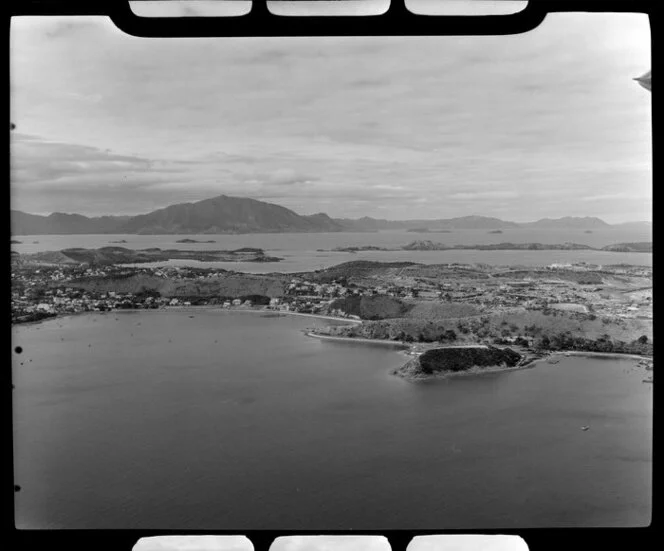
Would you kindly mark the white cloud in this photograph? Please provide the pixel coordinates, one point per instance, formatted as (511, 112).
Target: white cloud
(381, 123)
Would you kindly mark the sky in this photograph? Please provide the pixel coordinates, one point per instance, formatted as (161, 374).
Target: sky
(547, 123)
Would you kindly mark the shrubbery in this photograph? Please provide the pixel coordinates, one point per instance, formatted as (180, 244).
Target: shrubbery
(461, 359)
(566, 341)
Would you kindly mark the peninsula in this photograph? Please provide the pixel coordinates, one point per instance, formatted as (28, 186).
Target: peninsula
(122, 255)
(450, 360)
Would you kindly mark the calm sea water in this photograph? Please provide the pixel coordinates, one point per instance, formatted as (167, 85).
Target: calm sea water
(301, 251)
(240, 421)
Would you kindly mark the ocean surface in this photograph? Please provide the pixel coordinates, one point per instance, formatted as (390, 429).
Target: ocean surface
(223, 420)
(312, 251)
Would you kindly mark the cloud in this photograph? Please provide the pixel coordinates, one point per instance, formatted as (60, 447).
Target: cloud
(483, 195)
(439, 125)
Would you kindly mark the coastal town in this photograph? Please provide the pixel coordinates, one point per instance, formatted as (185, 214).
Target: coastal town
(361, 290)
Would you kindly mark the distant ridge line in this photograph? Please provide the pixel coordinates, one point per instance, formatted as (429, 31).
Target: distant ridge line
(238, 215)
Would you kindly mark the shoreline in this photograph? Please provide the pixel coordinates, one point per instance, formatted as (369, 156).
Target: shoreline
(65, 315)
(259, 311)
(409, 349)
(529, 360)
(591, 354)
(382, 342)
(470, 372)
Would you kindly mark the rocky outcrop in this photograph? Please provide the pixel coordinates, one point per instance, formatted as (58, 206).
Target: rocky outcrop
(441, 361)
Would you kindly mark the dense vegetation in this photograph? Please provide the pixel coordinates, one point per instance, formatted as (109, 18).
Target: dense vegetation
(401, 329)
(567, 341)
(457, 360)
(461, 359)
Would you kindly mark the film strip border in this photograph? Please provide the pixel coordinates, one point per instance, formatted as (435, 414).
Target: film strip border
(397, 20)
(522, 540)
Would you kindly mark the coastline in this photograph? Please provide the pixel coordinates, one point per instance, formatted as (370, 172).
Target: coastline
(384, 342)
(259, 311)
(591, 354)
(412, 350)
(65, 315)
(470, 372)
(529, 361)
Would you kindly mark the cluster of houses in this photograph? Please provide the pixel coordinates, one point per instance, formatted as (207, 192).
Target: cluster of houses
(43, 290)
(28, 303)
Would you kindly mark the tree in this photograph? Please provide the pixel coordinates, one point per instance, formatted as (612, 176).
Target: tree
(643, 339)
(450, 335)
(521, 342)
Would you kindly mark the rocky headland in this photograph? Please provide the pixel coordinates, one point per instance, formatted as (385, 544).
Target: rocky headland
(445, 361)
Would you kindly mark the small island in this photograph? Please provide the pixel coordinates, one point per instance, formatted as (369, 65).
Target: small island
(187, 240)
(358, 249)
(455, 360)
(121, 241)
(14, 242)
(496, 231)
(427, 230)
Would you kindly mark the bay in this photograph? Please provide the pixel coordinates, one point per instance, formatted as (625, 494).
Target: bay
(211, 420)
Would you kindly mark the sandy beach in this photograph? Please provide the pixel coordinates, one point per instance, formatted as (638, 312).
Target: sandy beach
(398, 344)
(599, 354)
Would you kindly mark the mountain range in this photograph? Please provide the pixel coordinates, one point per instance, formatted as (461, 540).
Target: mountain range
(224, 214)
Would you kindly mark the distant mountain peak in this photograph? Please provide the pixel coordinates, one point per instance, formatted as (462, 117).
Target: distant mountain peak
(569, 222)
(230, 214)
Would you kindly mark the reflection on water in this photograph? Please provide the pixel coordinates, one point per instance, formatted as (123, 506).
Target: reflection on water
(236, 420)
